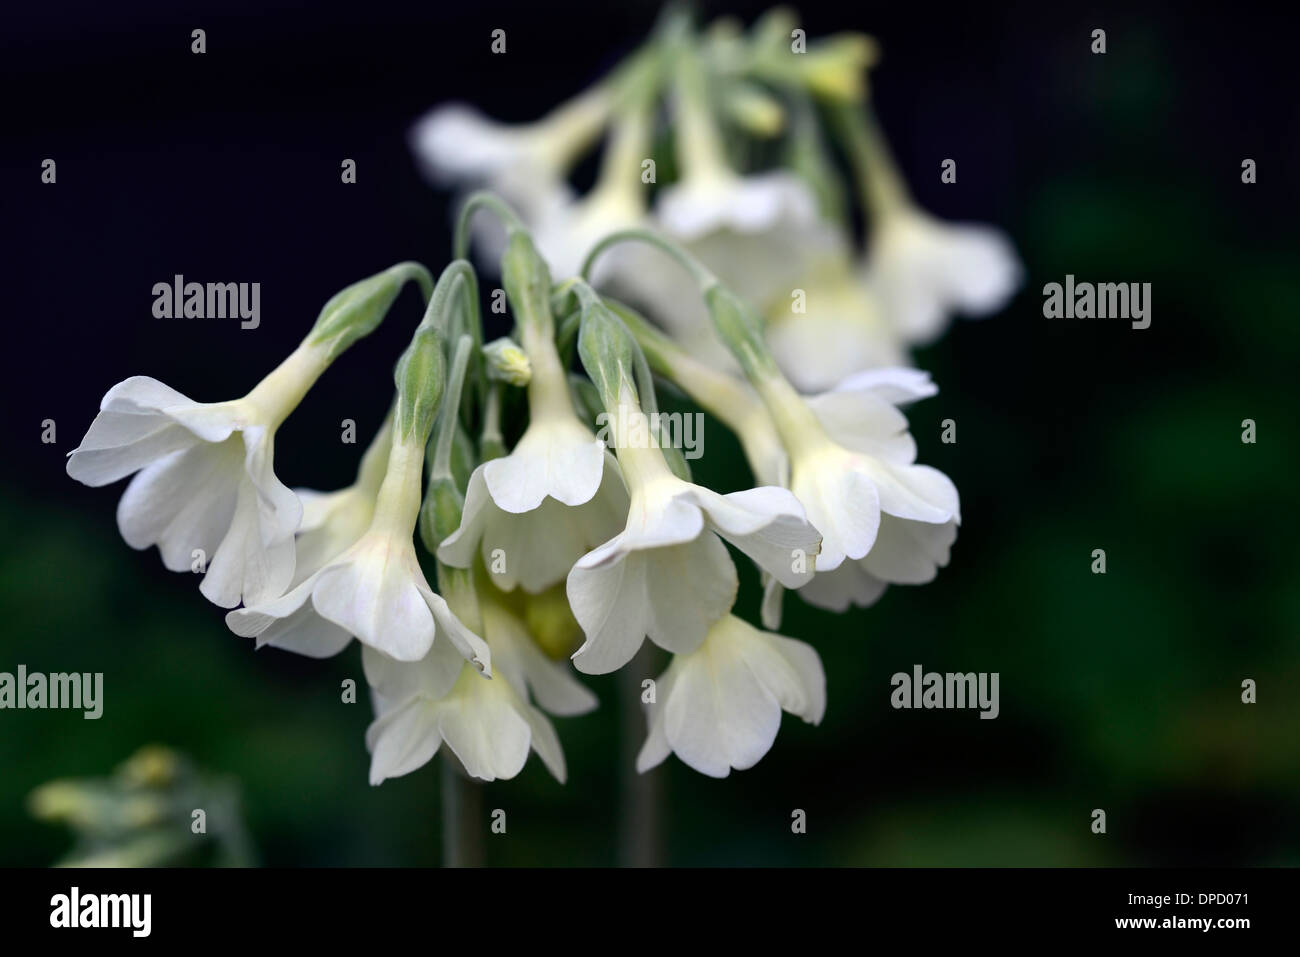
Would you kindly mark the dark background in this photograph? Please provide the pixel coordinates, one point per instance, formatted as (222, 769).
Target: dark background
(1119, 692)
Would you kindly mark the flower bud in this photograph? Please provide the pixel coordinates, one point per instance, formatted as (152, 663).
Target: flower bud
(440, 512)
(420, 376)
(606, 352)
(507, 362)
(356, 311)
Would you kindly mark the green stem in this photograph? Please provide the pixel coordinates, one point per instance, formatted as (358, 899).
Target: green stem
(462, 817)
(482, 200)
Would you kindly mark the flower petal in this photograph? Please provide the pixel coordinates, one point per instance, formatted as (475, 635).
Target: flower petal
(374, 596)
(769, 525)
(909, 553)
(402, 740)
(847, 584)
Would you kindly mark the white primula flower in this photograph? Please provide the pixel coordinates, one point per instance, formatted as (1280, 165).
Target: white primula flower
(719, 707)
(374, 589)
(489, 725)
(841, 330)
(206, 493)
(852, 459)
(668, 575)
(905, 551)
(924, 270)
(526, 163)
(558, 493)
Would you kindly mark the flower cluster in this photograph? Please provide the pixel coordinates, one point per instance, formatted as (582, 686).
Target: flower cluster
(545, 542)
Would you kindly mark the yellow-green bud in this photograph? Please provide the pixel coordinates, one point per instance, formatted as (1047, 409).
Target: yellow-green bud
(507, 362)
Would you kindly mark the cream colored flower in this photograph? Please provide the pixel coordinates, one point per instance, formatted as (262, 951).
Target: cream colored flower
(719, 707)
(206, 493)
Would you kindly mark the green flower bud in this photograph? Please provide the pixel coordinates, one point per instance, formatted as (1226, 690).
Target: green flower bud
(440, 512)
(606, 352)
(420, 378)
(358, 310)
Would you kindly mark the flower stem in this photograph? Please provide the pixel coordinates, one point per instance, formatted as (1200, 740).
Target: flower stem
(641, 800)
(462, 816)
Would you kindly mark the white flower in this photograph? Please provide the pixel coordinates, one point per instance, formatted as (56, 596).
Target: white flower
(557, 493)
(489, 725)
(925, 270)
(374, 589)
(852, 459)
(719, 707)
(526, 163)
(206, 493)
(668, 575)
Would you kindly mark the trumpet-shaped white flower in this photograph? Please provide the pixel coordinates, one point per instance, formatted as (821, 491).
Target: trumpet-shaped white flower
(852, 459)
(526, 163)
(490, 725)
(206, 493)
(719, 707)
(925, 270)
(374, 589)
(668, 575)
(556, 495)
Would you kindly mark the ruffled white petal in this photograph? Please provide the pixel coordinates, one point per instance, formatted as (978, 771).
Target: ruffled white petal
(672, 594)
(897, 385)
(721, 706)
(482, 724)
(909, 553)
(402, 740)
(864, 422)
(769, 525)
(842, 503)
(373, 594)
(557, 457)
(847, 584)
